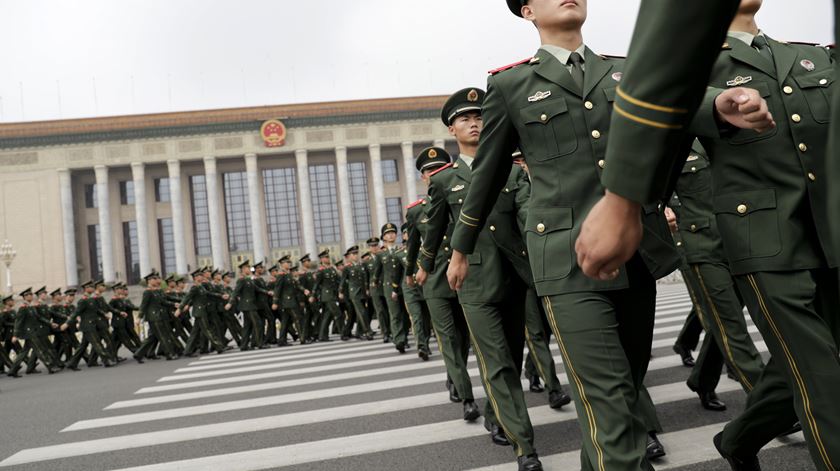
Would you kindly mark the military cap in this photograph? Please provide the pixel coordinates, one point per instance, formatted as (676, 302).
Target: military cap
(353, 249)
(25, 292)
(40, 290)
(70, 291)
(119, 285)
(338, 262)
(431, 157)
(246, 263)
(214, 272)
(516, 6)
(305, 258)
(372, 242)
(462, 101)
(98, 282)
(197, 272)
(230, 274)
(7, 298)
(404, 227)
(258, 264)
(57, 292)
(148, 277)
(294, 267)
(274, 267)
(366, 254)
(388, 227)
(89, 283)
(285, 258)
(170, 278)
(324, 254)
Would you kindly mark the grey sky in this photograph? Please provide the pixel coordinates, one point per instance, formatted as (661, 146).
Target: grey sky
(146, 56)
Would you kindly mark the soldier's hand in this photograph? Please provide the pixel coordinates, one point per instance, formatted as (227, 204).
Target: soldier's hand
(225, 297)
(227, 307)
(610, 235)
(306, 292)
(63, 327)
(273, 307)
(14, 339)
(177, 313)
(341, 296)
(409, 281)
(124, 314)
(311, 300)
(671, 217)
(457, 271)
(395, 296)
(54, 325)
(744, 108)
(421, 276)
(271, 293)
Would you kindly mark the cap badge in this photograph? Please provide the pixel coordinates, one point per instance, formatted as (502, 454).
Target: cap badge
(738, 81)
(432, 153)
(539, 96)
(472, 95)
(808, 65)
(617, 76)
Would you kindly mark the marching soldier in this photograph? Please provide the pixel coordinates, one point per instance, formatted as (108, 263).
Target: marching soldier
(226, 317)
(380, 307)
(88, 318)
(62, 344)
(33, 328)
(367, 263)
(286, 300)
(447, 315)
(107, 313)
(421, 323)
(6, 322)
(245, 298)
(387, 271)
(199, 300)
(327, 289)
(307, 282)
(268, 324)
(154, 309)
(122, 324)
(354, 277)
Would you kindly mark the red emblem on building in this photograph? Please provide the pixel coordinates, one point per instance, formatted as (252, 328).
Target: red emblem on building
(273, 133)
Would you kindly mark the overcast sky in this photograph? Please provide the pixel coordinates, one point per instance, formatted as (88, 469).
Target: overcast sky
(81, 58)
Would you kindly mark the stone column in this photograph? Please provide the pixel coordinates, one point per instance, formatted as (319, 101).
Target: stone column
(255, 196)
(409, 173)
(214, 212)
(141, 216)
(309, 245)
(105, 234)
(378, 188)
(65, 183)
(175, 202)
(348, 232)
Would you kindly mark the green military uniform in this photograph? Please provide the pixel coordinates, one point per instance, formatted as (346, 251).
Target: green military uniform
(377, 294)
(7, 326)
(227, 317)
(89, 315)
(415, 304)
(123, 327)
(355, 278)
(326, 289)
(387, 271)
(154, 309)
(200, 299)
(561, 125)
(33, 328)
(268, 323)
(244, 297)
(447, 315)
(286, 292)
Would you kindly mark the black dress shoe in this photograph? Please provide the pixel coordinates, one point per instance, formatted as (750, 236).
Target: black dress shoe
(535, 386)
(737, 464)
(423, 354)
(654, 449)
(266, 347)
(53, 370)
(685, 355)
(138, 359)
(344, 338)
(471, 412)
(33, 372)
(529, 463)
(120, 359)
(169, 357)
(497, 435)
(453, 393)
(558, 399)
(74, 368)
(108, 364)
(710, 401)
(401, 347)
(14, 374)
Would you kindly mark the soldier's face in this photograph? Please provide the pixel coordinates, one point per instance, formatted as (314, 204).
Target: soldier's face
(352, 257)
(556, 14)
(246, 271)
(325, 261)
(750, 7)
(28, 298)
(286, 266)
(389, 237)
(466, 128)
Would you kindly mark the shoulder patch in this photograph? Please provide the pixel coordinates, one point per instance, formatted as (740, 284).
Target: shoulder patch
(441, 169)
(802, 43)
(610, 56)
(418, 202)
(509, 66)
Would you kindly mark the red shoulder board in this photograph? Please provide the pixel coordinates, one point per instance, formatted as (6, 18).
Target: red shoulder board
(420, 201)
(509, 66)
(440, 170)
(321, 268)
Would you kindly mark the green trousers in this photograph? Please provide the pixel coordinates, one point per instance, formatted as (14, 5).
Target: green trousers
(380, 307)
(418, 311)
(497, 331)
(202, 329)
(798, 314)
(537, 334)
(98, 347)
(356, 315)
(452, 334)
(159, 332)
(397, 317)
(252, 333)
(331, 314)
(705, 375)
(605, 339)
(40, 348)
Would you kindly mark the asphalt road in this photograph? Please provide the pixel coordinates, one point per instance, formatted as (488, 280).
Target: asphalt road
(335, 406)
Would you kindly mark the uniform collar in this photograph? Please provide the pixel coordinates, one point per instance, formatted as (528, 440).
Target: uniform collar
(563, 54)
(743, 36)
(467, 160)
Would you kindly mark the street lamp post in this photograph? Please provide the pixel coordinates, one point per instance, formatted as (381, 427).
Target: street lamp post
(7, 255)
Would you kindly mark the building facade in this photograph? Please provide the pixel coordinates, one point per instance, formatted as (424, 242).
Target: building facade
(114, 198)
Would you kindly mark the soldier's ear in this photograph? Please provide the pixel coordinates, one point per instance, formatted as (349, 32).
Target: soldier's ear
(451, 130)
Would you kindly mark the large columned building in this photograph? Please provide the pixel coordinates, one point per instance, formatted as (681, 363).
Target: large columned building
(116, 197)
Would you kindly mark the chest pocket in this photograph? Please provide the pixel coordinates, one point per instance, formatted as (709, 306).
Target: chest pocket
(696, 176)
(548, 129)
(816, 86)
(456, 198)
(746, 136)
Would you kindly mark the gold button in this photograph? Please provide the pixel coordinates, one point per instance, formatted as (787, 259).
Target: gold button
(460, 201)
(446, 249)
(803, 147)
(693, 227)
(540, 228)
(788, 90)
(812, 177)
(693, 169)
(543, 117)
(524, 253)
(444, 237)
(596, 134)
(796, 118)
(588, 105)
(492, 228)
(742, 209)
(823, 81)
(601, 163)
(679, 244)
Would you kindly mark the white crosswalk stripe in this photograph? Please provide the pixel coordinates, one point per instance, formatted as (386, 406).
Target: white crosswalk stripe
(211, 412)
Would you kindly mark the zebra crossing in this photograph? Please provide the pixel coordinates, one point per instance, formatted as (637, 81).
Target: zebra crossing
(358, 405)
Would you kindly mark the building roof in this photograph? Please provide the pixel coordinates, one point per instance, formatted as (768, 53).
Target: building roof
(146, 126)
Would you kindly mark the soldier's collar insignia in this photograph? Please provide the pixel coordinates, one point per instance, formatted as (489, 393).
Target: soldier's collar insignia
(457, 188)
(534, 60)
(692, 158)
(807, 65)
(539, 96)
(738, 81)
(472, 96)
(617, 76)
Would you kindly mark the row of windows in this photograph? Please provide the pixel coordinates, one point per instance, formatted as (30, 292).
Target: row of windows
(162, 194)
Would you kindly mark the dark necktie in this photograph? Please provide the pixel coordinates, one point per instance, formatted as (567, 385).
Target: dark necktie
(760, 43)
(577, 69)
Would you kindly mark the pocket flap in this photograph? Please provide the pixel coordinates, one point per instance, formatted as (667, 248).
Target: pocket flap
(821, 79)
(694, 163)
(694, 225)
(543, 221)
(542, 111)
(743, 204)
(474, 258)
